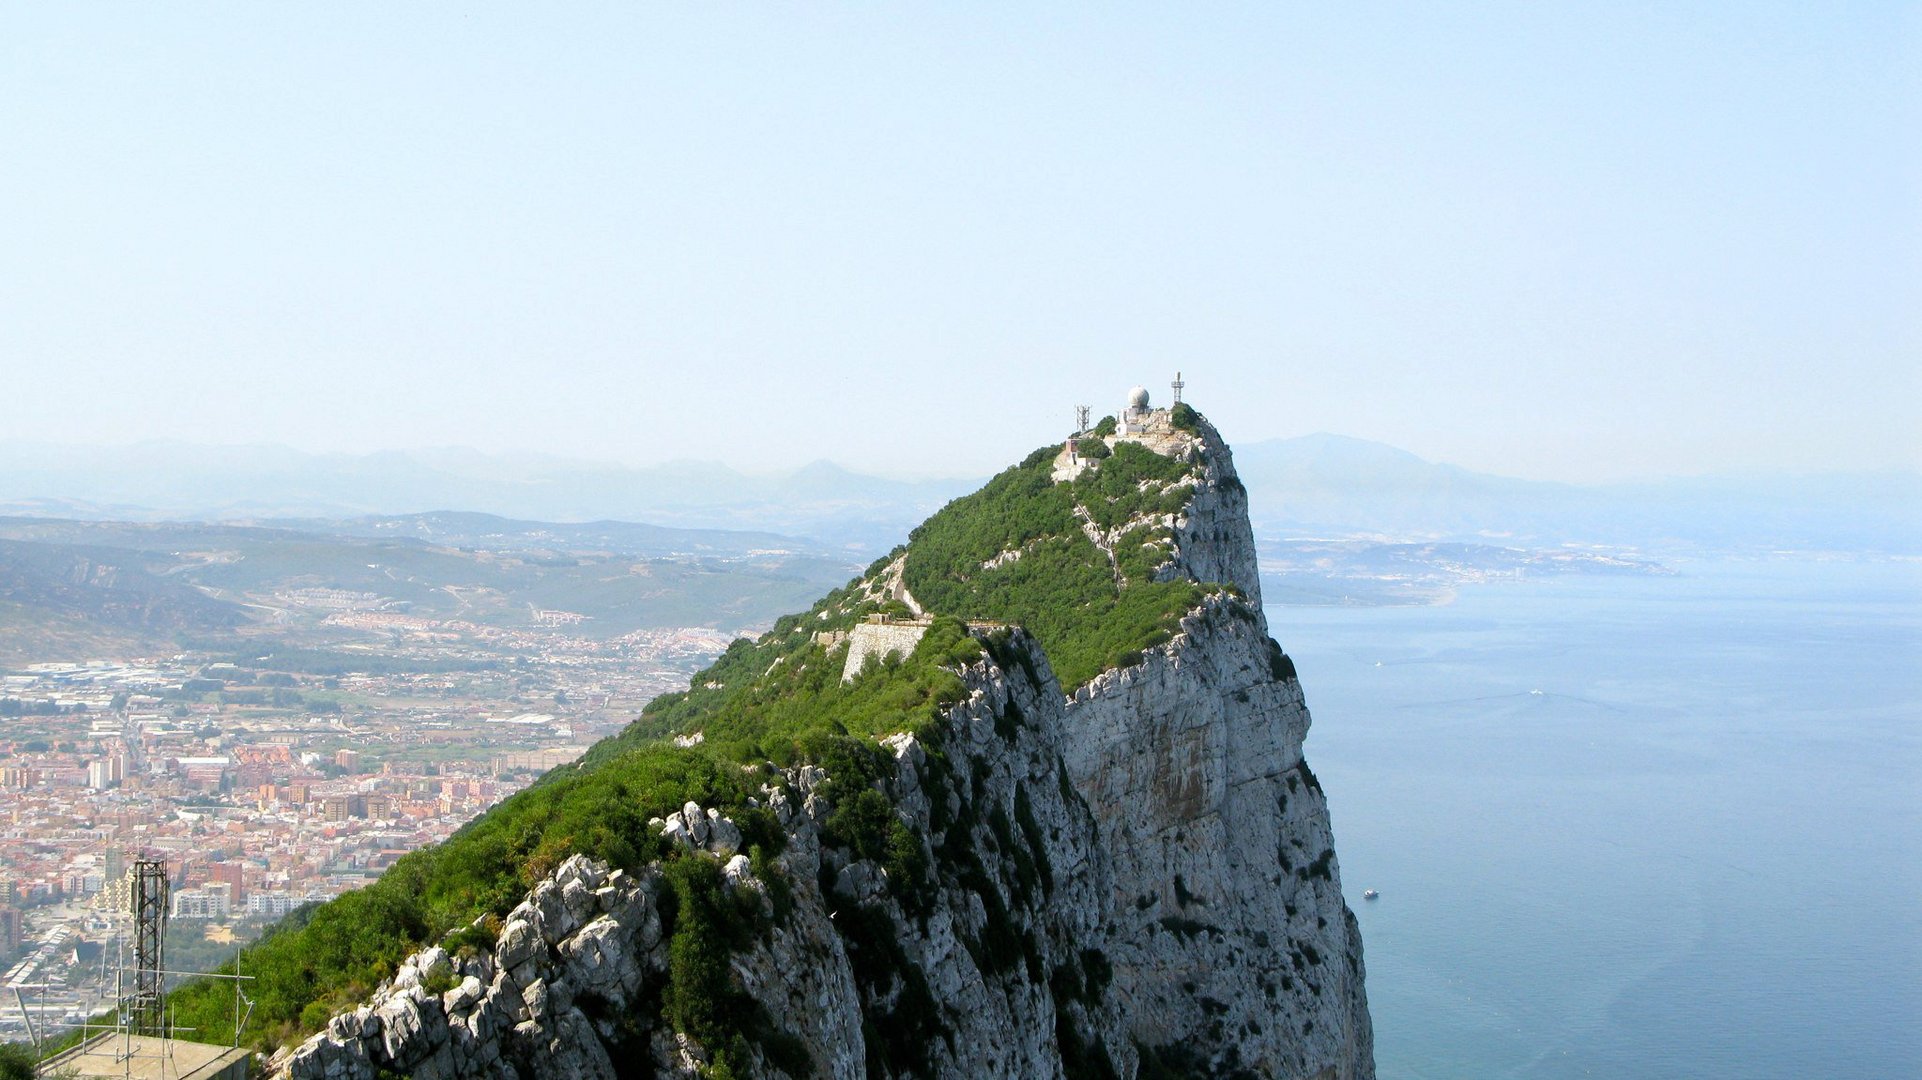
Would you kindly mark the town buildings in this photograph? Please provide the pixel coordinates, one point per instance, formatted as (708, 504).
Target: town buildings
(260, 803)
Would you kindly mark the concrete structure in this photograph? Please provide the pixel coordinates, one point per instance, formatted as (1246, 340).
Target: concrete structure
(141, 1057)
(878, 637)
(106, 772)
(213, 901)
(274, 904)
(1134, 415)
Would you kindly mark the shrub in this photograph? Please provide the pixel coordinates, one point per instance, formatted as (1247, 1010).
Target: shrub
(1280, 665)
(862, 825)
(697, 953)
(1320, 868)
(17, 1061)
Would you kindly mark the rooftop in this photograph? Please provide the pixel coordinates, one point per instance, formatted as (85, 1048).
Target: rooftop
(141, 1057)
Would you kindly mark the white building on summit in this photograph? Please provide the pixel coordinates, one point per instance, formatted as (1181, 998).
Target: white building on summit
(1138, 422)
(1134, 415)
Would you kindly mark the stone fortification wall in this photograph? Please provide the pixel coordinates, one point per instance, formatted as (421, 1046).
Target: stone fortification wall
(878, 640)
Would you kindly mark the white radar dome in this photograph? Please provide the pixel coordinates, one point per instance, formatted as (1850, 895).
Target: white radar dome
(1138, 398)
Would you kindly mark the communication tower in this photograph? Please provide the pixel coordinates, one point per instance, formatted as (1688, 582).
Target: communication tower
(142, 1039)
(1080, 419)
(146, 1008)
(1177, 385)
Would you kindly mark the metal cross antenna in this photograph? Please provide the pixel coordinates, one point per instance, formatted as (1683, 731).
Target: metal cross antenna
(1080, 418)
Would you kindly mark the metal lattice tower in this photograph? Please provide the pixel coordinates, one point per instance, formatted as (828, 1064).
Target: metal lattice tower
(145, 1009)
(1080, 418)
(1177, 385)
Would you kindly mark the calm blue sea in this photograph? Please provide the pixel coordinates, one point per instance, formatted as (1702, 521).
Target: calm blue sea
(1633, 827)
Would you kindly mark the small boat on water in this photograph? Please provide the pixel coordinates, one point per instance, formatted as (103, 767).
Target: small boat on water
(1370, 894)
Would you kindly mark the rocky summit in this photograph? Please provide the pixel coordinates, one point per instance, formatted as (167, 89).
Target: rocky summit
(1027, 799)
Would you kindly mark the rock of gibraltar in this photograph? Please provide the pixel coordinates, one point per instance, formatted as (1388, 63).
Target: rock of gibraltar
(1026, 799)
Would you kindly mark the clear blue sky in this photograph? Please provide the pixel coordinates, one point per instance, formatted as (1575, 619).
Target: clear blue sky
(1549, 240)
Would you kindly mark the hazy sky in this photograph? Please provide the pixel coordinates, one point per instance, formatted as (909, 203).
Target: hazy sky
(1544, 240)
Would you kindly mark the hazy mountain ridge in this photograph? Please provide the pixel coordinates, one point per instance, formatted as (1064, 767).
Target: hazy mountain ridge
(1308, 486)
(81, 587)
(491, 532)
(1331, 485)
(60, 600)
(169, 479)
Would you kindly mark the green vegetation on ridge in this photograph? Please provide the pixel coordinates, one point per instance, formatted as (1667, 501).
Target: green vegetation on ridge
(1016, 551)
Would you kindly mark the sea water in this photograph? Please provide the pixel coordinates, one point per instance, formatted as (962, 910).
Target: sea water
(1632, 826)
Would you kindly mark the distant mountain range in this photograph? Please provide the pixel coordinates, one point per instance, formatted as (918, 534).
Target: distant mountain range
(490, 532)
(76, 587)
(162, 480)
(1333, 485)
(1318, 485)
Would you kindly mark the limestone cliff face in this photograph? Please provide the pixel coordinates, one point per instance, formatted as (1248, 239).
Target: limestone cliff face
(1139, 874)
(1214, 540)
(1225, 921)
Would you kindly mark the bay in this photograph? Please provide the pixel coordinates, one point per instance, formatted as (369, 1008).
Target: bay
(1632, 826)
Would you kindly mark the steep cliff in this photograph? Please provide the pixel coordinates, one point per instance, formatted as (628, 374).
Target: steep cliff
(951, 863)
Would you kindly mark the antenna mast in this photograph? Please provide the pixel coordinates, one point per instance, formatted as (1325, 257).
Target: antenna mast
(146, 1009)
(1177, 385)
